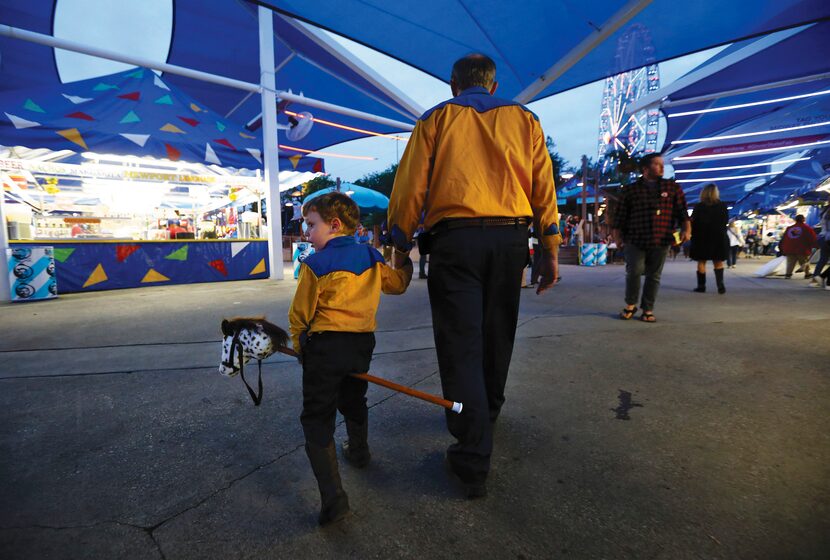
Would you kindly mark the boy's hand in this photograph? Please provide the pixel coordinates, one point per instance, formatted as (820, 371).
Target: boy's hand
(400, 260)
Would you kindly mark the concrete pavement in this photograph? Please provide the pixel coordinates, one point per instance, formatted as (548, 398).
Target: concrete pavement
(701, 436)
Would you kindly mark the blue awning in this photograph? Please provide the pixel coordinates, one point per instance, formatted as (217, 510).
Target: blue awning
(526, 37)
(132, 113)
(222, 38)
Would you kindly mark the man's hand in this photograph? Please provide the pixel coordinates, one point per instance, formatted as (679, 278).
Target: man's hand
(687, 233)
(549, 273)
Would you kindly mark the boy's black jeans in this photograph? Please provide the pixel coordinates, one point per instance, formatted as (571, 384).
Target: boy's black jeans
(328, 359)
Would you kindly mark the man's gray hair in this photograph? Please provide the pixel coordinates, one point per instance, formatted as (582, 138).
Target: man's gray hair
(474, 70)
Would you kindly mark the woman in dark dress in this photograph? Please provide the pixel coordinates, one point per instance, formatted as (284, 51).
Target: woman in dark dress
(709, 239)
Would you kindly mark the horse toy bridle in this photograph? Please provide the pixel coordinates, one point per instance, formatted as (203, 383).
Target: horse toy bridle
(236, 343)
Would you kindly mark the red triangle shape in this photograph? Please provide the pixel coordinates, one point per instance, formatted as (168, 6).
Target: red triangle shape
(220, 266)
(80, 115)
(225, 143)
(318, 166)
(134, 96)
(191, 122)
(124, 251)
(172, 153)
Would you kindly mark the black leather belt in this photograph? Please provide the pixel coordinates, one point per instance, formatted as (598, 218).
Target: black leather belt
(456, 223)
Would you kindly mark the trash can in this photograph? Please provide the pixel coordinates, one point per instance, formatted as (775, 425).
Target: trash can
(32, 273)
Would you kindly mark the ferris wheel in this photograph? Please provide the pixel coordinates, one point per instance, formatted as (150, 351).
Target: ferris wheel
(618, 130)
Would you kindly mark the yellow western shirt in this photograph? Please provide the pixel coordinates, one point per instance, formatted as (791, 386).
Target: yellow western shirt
(474, 156)
(339, 289)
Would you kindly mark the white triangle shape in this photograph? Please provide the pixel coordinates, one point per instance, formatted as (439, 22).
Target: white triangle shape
(157, 81)
(20, 122)
(77, 100)
(139, 139)
(210, 155)
(256, 153)
(236, 247)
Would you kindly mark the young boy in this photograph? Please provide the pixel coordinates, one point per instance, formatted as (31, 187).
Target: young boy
(332, 324)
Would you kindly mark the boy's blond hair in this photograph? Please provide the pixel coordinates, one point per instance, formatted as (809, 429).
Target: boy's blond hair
(335, 205)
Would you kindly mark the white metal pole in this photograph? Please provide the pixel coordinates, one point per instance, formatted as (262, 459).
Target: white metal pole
(589, 43)
(50, 41)
(5, 288)
(269, 141)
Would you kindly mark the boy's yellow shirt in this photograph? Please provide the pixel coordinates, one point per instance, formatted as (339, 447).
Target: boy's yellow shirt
(339, 289)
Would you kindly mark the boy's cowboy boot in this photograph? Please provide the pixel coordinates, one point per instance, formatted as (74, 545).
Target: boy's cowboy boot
(701, 282)
(356, 448)
(719, 280)
(335, 502)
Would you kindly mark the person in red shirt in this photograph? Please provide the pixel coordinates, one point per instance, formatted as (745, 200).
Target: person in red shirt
(797, 244)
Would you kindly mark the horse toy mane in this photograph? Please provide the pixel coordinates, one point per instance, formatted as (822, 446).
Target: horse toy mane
(247, 338)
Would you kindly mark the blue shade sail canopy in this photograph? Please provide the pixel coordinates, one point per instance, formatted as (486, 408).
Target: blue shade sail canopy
(132, 113)
(526, 37)
(368, 200)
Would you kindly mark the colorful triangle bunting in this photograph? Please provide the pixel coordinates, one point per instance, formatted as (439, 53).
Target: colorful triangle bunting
(172, 153)
(124, 251)
(139, 139)
(219, 265)
(195, 108)
(62, 253)
(138, 74)
(179, 254)
(153, 276)
(172, 128)
(164, 100)
(74, 136)
(104, 87)
(221, 126)
(258, 269)
(134, 96)
(257, 154)
(238, 246)
(20, 122)
(225, 143)
(79, 115)
(191, 122)
(32, 106)
(98, 275)
(210, 155)
(77, 100)
(130, 117)
(158, 83)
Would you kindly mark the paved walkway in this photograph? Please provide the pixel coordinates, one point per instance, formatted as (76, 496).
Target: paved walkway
(702, 436)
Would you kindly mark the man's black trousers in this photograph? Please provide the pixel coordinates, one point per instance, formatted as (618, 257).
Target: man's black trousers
(475, 280)
(328, 359)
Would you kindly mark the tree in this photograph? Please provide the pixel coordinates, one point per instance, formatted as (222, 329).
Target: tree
(559, 163)
(381, 181)
(318, 183)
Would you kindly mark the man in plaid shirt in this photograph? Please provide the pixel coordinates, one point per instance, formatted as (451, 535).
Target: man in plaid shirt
(651, 209)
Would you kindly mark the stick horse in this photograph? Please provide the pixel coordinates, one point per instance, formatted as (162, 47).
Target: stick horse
(254, 338)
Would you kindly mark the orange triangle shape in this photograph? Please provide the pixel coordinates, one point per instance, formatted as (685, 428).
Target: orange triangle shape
(73, 135)
(98, 275)
(295, 160)
(172, 128)
(153, 276)
(259, 268)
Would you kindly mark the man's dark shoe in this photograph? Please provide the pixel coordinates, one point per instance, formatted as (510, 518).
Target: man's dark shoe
(471, 491)
(356, 448)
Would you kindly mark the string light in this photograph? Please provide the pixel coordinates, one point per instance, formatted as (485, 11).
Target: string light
(351, 128)
(728, 167)
(734, 177)
(747, 134)
(752, 152)
(744, 105)
(327, 154)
